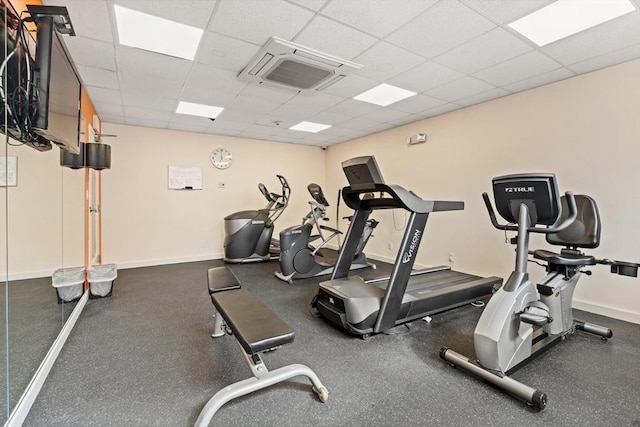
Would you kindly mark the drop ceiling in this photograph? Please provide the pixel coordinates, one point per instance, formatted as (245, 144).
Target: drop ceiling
(453, 53)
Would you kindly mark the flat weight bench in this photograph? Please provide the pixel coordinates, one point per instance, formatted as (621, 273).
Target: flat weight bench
(258, 329)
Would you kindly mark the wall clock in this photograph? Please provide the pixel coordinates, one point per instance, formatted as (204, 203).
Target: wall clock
(221, 158)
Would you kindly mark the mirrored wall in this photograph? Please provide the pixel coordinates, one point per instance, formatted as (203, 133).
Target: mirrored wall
(41, 231)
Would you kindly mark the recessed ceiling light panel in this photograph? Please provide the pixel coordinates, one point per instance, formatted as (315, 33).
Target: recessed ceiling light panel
(566, 17)
(384, 95)
(148, 32)
(309, 127)
(201, 110)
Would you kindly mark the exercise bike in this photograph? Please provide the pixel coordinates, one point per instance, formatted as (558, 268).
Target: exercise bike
(298, 256)
(523, 319)
(248, 234)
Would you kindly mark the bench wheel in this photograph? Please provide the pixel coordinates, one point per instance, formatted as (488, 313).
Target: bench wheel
(322, 393)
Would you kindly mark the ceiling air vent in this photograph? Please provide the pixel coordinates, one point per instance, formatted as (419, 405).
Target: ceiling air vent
(286, 64)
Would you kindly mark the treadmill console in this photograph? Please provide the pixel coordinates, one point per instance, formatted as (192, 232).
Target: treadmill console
(362, 172)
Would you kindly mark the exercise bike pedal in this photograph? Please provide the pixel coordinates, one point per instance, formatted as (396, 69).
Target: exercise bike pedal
(536, 314)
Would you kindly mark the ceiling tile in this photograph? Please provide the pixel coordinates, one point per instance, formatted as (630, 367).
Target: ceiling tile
(608, 59)
(256, 21)
(489, 49)
(385, 60)
(262, 130)
(432, 112)
(225, 52)
(502, 11)
(143, 64)
(152, 102)
(384, 115)
(360, 123)
(187, 119)
(269, 92)
(224, 132)
(145, 113)
(613, 35)
(255, 105)
(425, 76)
(229, 114)
(416, 104)
(108, 109)
(483, 97)
(83, 15)
(229, 124)
(159, 87)
(98, 77)
(108, 118)
(134, 121)
(314, 5)
(442, 27)
(377, 20)
(540, 80)
(316, 101)
(109, 96)
(458, 89)
(351, 86)
(476, 61)
(409, 118)
(333, 38)
(186, 127)
(329, 118)
(209, 85)
(516, 69)
(91, 53)
(352, 108)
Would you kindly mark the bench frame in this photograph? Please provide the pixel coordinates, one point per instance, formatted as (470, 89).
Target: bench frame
(262, 377)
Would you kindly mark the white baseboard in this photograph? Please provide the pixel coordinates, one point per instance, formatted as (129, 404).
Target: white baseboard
(615, 313)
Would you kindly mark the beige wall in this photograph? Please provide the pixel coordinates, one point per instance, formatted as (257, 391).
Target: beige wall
(586, 130)
(45, 215)
(145, 223)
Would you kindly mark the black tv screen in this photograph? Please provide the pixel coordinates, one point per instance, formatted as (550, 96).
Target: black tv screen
(56, 91)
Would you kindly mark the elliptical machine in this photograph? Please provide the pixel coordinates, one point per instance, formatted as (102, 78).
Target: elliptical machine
(523, 319)
(299, 258)
(248, 234)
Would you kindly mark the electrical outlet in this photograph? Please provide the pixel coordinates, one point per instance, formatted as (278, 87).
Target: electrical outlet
(451, 257)
(390, 246)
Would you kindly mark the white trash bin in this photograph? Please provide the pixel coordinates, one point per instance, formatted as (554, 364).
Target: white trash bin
(101, 279)
(69, 283)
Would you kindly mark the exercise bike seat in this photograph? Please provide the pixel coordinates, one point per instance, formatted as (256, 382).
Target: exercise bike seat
(571, 258)
(584, 232)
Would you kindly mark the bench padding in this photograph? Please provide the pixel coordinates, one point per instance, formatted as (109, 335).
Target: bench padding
(256, 327)
(221, 279)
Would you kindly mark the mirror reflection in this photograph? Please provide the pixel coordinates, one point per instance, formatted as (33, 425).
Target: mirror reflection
(41, 222)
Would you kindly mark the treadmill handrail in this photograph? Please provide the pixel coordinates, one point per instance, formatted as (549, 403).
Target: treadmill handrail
(400, 198)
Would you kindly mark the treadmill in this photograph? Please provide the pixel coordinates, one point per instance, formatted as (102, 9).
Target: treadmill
(369, 307)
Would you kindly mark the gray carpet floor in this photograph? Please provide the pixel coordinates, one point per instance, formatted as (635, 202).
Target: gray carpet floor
(144, 357)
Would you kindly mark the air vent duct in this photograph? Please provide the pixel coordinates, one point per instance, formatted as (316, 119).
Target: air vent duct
(286, 64)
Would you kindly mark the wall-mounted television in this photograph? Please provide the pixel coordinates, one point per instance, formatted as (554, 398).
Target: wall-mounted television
(16, 63)
(55, 97)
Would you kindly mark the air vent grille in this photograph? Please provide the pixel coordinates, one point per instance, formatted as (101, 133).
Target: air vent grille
(296, 74)
(292, 66)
